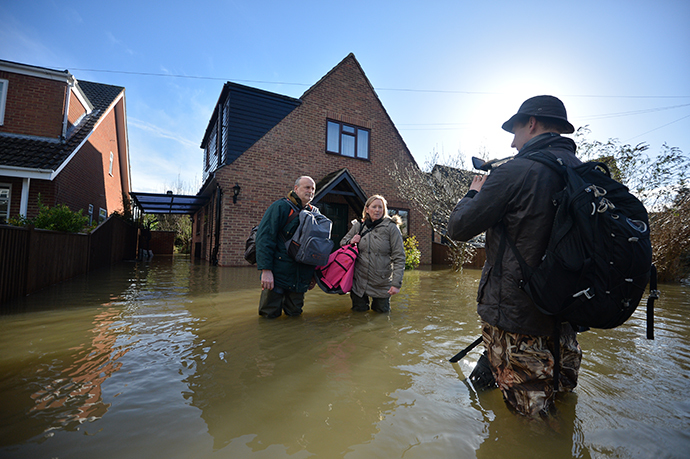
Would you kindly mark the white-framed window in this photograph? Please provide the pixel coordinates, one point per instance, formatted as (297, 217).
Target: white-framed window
(347, 140)
(90, 214)
(5, 195)
(404, 216)
(3, 99)
(102, 214)
(110, 168)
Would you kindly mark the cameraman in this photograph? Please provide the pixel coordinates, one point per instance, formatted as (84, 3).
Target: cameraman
(515, 201)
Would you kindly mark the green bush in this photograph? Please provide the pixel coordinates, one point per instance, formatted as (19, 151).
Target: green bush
(58, 218)
(412, 253)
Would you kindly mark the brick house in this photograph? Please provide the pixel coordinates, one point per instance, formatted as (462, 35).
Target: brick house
(257, 143)
(62, 138)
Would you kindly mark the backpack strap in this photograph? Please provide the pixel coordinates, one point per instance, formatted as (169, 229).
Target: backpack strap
(498, 262)
(524, 267)
(548, 159)
(361, 233)
(294, 213)
(526, 275)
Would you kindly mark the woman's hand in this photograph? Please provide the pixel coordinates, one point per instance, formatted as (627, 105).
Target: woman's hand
(355, 239)
(393, 290)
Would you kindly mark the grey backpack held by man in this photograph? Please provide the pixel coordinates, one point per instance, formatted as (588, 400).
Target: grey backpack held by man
(311, 244)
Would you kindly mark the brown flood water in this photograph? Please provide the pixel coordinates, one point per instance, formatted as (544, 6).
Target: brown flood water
(169, 359)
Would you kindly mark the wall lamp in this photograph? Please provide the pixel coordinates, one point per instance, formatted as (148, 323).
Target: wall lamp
(235, 192)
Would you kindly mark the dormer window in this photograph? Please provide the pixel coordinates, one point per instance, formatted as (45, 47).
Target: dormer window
(347, 140)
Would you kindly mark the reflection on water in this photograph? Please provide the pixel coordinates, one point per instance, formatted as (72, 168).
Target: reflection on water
(79, 384)
(170, 359)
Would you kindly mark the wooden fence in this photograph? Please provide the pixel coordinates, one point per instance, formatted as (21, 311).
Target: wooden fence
(32, 259)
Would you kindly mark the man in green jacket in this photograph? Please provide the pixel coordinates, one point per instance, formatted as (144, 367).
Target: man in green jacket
(283, 280)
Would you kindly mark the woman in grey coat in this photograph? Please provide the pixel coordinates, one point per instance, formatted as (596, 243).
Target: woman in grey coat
(381, 262)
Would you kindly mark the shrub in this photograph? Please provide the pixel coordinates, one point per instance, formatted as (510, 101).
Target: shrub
(58, 218)
(412, 253)
(671, 239)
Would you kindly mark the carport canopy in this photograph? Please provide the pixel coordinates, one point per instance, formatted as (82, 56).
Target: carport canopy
(168, 203)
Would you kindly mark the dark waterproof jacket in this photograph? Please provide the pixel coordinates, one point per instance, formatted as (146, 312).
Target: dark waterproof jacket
(271, 252)
(517, 197)
(381, 260)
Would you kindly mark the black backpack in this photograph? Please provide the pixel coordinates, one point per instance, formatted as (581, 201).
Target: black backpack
(250, 246)
(599, 256)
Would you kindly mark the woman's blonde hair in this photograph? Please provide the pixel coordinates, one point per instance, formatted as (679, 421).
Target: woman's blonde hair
(372, 199)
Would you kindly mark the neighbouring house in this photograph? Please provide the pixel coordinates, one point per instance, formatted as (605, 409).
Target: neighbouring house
(449, 184)
(257, 143)
(63, 139)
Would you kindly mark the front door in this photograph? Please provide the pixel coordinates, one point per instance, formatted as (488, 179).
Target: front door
(337, 213)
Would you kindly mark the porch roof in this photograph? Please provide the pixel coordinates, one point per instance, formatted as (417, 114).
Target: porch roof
(342, 183)
(168, 203)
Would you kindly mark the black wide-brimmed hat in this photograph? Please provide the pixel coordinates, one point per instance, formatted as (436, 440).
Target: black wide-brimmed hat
(542, 107)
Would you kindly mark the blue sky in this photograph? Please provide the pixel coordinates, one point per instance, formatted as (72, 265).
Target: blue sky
(448, 72)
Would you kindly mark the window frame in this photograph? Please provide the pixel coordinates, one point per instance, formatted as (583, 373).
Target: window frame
(355, 135)
(6, 217)
(3, 99)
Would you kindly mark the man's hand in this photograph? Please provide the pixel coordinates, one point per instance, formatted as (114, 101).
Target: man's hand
(393, 290)
(266, 279)
(477, 182)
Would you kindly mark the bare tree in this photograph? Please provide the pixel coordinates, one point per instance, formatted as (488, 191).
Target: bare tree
(435, 193)
(671, 239)
(655, 180)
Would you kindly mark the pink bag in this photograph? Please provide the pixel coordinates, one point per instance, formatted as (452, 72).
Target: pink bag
(337, 275)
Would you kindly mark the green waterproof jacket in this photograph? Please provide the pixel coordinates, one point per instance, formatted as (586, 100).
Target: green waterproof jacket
(271, 252)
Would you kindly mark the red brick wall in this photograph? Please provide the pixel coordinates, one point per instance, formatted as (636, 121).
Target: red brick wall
(296, 146)
(35, 106)
(45, 188)
(85, 179)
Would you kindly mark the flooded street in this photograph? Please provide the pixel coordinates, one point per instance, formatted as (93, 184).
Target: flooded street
(170, 359)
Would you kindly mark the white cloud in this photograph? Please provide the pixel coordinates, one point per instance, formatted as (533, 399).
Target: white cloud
(159, 132)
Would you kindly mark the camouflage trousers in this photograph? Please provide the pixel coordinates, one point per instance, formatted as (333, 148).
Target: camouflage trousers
(523, 366)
